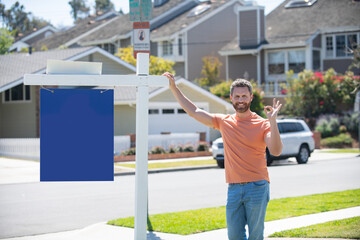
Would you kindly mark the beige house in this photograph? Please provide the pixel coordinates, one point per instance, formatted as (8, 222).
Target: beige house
(20, 104)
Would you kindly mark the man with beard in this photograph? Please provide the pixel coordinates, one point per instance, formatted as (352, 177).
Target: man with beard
(245, 135)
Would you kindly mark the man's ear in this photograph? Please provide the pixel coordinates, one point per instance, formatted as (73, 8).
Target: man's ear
(252, 96)
(230, 97)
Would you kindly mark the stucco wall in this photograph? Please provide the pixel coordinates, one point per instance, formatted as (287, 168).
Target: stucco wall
(203, 41)
(18, 119)
(124, 120)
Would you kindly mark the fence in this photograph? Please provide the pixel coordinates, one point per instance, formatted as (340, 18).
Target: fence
(29, 148)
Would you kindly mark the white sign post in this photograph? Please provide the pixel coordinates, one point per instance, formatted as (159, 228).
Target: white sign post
(142, 81)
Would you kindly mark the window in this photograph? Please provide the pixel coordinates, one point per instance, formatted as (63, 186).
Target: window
(290, 127)
(168, 111)
(180, 46)
(18, 93)
(180, 111)
(342, 44)
(153, 111)
(276, 63)
(109, 48)
(300, 3)
(296, 60)
(329, 46)
(167, 48)
(316, 60)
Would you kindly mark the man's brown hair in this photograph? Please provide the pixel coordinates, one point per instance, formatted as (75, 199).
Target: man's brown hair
(240, 83)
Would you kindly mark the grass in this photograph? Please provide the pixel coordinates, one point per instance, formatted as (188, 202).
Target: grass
(346, 228)
(345, 150)
(207, 219)
(186, 163)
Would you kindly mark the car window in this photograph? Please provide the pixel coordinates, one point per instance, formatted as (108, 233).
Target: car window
(289, 127)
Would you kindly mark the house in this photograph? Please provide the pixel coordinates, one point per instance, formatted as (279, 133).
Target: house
(20, 104)
(69, 38)
(27, 40)
(165, 114)
(183, 31)
(297, 35)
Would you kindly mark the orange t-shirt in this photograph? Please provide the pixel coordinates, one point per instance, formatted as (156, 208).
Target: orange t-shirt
(244, 147)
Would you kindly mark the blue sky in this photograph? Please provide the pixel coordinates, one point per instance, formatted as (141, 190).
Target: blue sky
(58, 11)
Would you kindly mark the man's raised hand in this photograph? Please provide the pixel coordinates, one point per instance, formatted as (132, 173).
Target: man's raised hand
(272, 112)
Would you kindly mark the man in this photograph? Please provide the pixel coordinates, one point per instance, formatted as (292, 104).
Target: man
(245, 136)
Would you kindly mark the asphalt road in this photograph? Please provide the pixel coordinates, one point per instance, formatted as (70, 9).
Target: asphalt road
(36, 208)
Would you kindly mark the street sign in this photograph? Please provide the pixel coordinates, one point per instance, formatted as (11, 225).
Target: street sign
(140, 10)
(141, 37)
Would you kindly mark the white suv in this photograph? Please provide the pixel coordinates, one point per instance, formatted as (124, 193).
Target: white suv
(295, 135)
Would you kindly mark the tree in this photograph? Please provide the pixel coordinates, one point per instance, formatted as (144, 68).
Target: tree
(211, 71)
(19, 21)
(157, 66)
(6, 40)
(103, 5)
(78, 7)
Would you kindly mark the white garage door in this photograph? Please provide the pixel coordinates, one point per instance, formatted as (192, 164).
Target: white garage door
(172, 118)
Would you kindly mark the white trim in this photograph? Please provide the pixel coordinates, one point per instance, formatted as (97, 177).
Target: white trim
(333, 35)
(17, 101)
(74, 40)
(249, 8)
(335, 30)
(186, 57)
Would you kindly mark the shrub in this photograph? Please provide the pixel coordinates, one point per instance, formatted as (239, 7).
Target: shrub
(351, 122)
(342, 140)
(324, 128)
(128, 152)
(343, 129)
(203, 147)
(172, 149)
(189, 148)
(334, 125)
(157, 150)
(179, 149)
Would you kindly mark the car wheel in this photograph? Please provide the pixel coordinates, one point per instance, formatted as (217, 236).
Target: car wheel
(269, 159)
(220, 163)
(303, 155)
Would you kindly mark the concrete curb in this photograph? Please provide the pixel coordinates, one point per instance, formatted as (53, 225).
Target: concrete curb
(176, 169)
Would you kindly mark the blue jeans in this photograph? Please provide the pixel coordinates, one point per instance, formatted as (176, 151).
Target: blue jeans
(246, 204)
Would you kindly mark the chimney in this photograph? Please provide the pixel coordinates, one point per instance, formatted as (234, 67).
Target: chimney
(251, 25)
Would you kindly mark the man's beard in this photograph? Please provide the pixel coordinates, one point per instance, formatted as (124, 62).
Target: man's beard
(241, 109)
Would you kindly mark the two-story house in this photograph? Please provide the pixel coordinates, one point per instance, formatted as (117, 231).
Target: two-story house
(297, 35)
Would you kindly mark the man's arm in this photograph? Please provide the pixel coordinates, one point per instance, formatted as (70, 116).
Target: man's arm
(272, 139)
(189, 107)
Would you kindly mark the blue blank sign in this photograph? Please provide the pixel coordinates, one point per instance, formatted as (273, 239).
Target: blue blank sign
(76, 135)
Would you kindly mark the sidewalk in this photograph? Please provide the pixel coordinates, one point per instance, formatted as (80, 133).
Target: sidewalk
(107, 232)
(21, 171)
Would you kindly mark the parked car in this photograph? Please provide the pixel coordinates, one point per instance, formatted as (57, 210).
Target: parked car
(295, 135)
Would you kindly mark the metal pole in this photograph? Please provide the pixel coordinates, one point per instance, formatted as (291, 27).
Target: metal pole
(141, 169)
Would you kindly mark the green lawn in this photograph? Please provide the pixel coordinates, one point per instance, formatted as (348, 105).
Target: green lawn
(345, 150)
(207, 219)
(186, 163)
(346, 228)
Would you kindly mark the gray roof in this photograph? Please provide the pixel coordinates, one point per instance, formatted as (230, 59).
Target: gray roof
(62, 37)
(14, 66)
(183, 21)
(296, 25)
(122, 25)
(126, 94)
(288, 24)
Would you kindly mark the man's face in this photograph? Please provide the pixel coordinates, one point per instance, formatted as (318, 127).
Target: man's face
(241, 99)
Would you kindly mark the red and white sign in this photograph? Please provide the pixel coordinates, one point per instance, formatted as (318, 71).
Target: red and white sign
(141, 37)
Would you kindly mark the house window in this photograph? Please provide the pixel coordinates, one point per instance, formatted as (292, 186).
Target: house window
(296, 60)
(329, 46)
(109, 48)
(167, 48)
(342, 44)
(18, 93)
(168, 111)
(316, 60)
(180, 47)
(153, 111)
(181, 111)
(276, 63)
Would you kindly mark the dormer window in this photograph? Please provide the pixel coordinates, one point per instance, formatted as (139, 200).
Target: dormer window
(196, 11)
(300, 3)
(159, 3)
